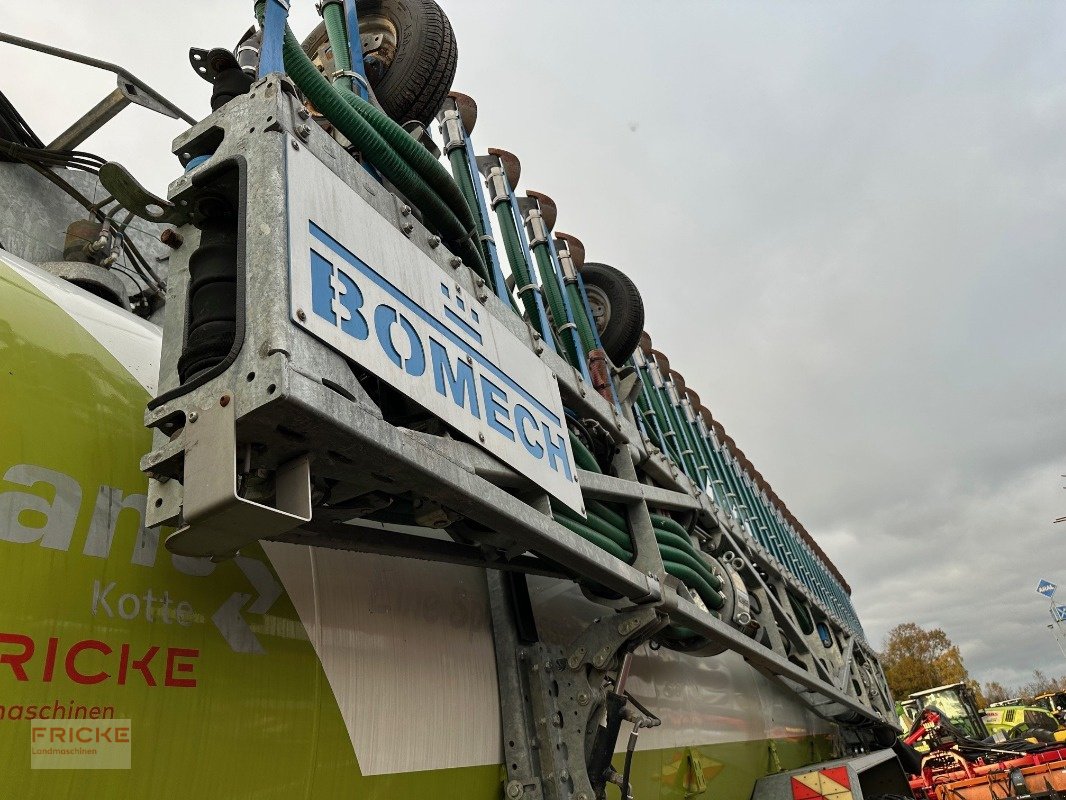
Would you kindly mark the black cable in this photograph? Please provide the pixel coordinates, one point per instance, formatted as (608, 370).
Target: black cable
(11, 121)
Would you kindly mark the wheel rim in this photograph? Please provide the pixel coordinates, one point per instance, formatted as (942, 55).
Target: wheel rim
(377, 36)
(600, 307)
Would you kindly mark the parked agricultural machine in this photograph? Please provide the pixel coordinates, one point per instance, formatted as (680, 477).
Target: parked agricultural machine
(439, 519)
(951, 750)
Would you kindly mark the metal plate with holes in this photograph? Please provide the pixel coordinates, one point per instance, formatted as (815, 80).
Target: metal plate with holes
(364, 289)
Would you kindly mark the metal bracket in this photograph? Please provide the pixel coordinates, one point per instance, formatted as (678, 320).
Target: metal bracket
(131, 89)
(121, 185)
(549, 697)
(217, 519)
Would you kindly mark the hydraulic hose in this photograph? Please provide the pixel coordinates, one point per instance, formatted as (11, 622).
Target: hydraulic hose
(364, 136)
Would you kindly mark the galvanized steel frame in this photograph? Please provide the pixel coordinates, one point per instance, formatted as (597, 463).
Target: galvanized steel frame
(283, 376)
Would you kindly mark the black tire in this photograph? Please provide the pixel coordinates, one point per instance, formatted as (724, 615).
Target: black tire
(412, 77)
(617, 309)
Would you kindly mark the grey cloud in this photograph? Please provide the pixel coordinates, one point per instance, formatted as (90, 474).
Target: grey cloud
(846, 223)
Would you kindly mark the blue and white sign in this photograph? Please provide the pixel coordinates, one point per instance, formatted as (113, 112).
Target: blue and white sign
(370, 293)
(1059, 613)
(1046, 588)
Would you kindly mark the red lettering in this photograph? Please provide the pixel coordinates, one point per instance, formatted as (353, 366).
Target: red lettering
(179, 670)
(72, 654)
(123, 664)
(174, 666)
(142, 665)
(50, 659)
(17, 660)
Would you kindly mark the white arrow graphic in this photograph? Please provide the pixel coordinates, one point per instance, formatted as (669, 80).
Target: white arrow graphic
(232, 626)
(262, 580)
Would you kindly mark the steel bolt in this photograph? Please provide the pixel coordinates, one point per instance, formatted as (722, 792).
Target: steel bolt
(171, 238)
(405, 210)
(295, 145)
(304, 132)
(456, 262)
(301, 315)
(303, 113)
(583, 699)
(407, 227)
(481, 437)
(514, 789)
(434, 241)
(193, 416)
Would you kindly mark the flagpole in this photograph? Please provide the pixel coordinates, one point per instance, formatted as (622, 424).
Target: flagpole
(1058, 613)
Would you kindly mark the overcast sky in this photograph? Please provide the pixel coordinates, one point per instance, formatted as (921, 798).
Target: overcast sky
(846, 220)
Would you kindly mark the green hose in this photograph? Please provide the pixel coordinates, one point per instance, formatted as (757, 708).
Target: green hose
(420, 159)
(582, 457)
(337, 32)
(674, 548)
(584, 325)
(364, 136)
(519, 267)
(461, 173)
(556, 304)
(585, 532)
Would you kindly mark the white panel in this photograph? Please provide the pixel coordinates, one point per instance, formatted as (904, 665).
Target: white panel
(365, 289)
(701, 700)
(407, 648)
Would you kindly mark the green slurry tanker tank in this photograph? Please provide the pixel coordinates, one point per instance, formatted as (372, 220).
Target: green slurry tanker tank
(340, 472)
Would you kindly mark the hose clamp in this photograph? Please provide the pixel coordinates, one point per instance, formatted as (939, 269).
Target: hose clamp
(656, 375)
(538, 230)
(320, 6)
(671, 392)
(497, 186)
(451, 128)
(348, 73)
(527, 287)
(567, 326)
(566, 264)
